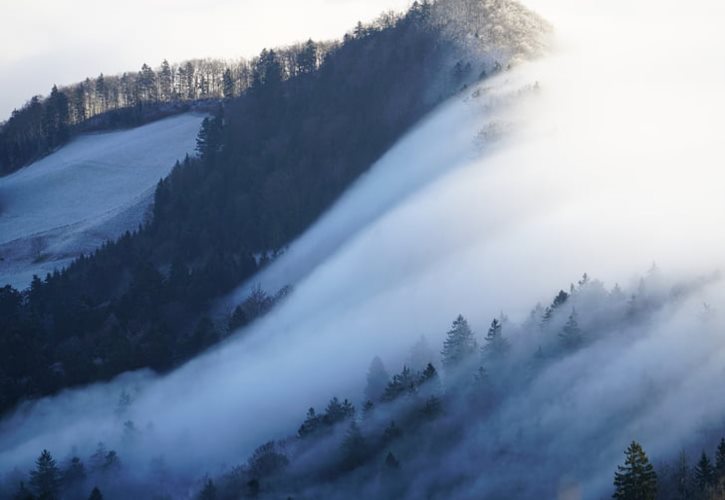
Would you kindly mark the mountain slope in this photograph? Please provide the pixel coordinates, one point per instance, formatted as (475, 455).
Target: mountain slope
(591, 172)
(88, 192)
(272, 161)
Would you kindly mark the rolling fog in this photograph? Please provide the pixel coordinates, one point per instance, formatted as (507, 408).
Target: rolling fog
(601, 157)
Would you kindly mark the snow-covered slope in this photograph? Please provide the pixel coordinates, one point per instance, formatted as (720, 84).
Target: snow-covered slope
(91, 190)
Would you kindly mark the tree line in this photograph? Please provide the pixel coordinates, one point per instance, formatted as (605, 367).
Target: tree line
(132, 98)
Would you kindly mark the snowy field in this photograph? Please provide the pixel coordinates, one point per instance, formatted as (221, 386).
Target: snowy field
(89, 191)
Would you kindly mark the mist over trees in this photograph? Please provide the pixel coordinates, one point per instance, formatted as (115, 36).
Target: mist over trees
(407, 432)
(271, 160)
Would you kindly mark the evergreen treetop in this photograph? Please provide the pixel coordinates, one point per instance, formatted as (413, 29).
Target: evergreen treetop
(636, 479)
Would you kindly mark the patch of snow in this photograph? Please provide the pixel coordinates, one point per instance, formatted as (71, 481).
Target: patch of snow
(92, 190)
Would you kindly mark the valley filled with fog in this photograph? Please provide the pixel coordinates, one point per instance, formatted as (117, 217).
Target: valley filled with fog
(578, 162)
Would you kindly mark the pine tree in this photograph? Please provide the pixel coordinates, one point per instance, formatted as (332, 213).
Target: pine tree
(228, 84)
(310, 425)
(45, 479)
(166, 81)
(636, 479)
(208, 139)
(720, 459)
(402, 383)
(376, 381)
(459, 344)
(571, 335)
(558, 301)
(430, 374)
(496, 345)
(337, 412)
(190, 83)
(307, 58)
(101, 93)
(704, 473)
(147, 83)
(267, 71)
(391, 462)
(95, 494)
(360, 30)
(202, 137)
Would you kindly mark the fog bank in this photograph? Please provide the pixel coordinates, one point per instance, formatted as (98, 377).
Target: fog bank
(603, 157)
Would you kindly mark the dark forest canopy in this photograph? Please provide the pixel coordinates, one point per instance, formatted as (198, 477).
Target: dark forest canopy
(270, 161)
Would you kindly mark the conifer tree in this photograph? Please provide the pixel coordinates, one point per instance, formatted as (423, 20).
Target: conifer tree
(636, 479)
(166, 81)
(307, 58)
(310, 425)
(101, 93)
(376, 381)
(558, 301)
(228, 84)
(571, 335)
(402, 383)
(704, 473)
(360, 30)
(496, 345)
(95, 494)
(430, 374)
(45, 479)
(459, 344)
(391, 462)
(337, 411)
(720, 459)
(147, 83)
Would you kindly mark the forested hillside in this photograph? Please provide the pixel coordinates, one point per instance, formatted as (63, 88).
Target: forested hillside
(271, 160)
(134, 98)
(445, 424)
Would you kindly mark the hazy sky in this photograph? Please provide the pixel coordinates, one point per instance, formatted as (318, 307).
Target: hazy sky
(45, 41)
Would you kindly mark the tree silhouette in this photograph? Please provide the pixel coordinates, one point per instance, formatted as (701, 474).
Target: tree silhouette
(636, 479)
(45, 479)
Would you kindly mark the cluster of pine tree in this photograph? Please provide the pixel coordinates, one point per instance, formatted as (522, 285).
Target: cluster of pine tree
(49, 481)
(410, 419)
(637, 479)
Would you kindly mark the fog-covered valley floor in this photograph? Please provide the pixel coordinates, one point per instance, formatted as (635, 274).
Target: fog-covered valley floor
(602, 157)
(86, 193)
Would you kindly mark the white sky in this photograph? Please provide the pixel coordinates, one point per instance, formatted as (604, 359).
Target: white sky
(49, 41)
